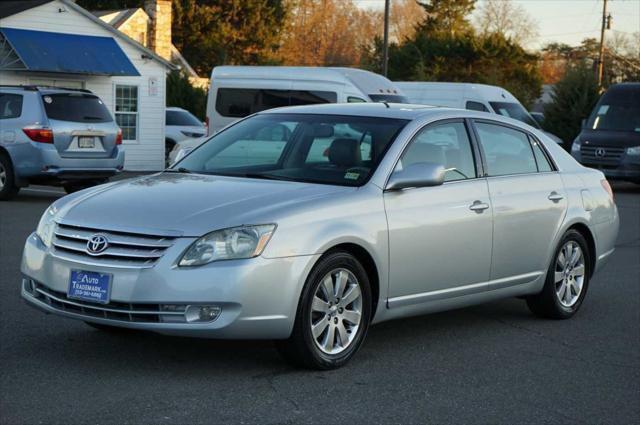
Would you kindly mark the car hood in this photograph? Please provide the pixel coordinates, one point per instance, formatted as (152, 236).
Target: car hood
(185, 204)
(622, 139)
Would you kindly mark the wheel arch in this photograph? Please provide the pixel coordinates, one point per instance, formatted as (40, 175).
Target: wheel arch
(371, 268)
(584, 230)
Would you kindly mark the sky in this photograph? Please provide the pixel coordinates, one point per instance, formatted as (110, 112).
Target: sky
(568, 21)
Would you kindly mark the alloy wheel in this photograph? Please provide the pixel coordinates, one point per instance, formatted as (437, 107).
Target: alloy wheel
(336, 311)
(569, 274)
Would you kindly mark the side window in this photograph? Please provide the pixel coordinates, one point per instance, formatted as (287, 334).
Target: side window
(10, 105)
(447, 144)
(541, 158)
(506, 151)
(231, 102)
(311, 97)
(353, 99)
(476, 106)
(235, 102)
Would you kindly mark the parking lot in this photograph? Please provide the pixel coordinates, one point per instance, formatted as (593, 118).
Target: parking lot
(494, 363)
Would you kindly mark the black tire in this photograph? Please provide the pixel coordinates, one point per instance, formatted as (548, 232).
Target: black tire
(301, 349)
(9, 188)
(547, 303)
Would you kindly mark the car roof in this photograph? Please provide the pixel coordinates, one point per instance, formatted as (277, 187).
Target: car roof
(43, 89)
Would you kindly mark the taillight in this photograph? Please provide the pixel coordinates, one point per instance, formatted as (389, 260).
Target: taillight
(39, 134)
(607, 187)
(119, 137)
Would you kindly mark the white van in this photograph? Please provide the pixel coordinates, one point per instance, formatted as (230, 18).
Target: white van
(238, 91)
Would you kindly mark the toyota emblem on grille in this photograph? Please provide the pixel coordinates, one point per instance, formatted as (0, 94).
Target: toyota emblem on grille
(97, 244)
(600, 152)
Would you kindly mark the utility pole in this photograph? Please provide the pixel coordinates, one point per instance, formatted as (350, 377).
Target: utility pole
(385, 54)
(605, 23)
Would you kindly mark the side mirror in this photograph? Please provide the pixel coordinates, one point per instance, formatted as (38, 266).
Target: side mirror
(420, 174)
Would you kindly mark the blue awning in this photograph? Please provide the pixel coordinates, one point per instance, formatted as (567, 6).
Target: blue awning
(68, 53)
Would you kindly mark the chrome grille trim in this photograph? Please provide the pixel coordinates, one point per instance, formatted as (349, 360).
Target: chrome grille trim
(125, 250)
(124, 312)
(612, 155)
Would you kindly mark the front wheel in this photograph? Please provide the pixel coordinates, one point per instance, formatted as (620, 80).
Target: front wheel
(333, 314)
(8, 188)
(567, 280)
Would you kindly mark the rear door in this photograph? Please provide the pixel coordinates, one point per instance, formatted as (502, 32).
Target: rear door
(81, 123)
(528, 198)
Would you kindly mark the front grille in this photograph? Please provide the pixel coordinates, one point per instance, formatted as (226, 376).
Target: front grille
(124, 249)
(612, 155)
(145, 313)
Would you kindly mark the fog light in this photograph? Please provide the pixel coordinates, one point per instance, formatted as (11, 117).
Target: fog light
(202, 313)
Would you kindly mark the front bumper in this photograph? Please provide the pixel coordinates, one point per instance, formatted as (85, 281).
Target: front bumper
(258, 297)
(626, 167)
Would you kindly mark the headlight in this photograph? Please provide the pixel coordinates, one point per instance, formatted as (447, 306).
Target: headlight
(46, 225)
(228, 244)
(575, 147)
(635, 150)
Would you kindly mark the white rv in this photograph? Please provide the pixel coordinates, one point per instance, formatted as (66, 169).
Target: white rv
(238, 91)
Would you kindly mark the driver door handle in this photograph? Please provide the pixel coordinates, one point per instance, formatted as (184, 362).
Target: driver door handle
(555, 197)
(478, 206)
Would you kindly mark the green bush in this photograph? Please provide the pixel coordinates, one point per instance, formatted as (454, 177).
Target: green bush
(572, 100)
(182, 94)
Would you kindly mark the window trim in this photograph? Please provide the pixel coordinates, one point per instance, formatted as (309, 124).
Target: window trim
(478, 165)
(21, 105)
(473, 122)
(137, 113)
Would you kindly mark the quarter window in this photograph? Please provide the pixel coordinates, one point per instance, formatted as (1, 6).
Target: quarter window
(446, 144)
(127, 111)
(10, 105)
(541, 158)
(506, 151)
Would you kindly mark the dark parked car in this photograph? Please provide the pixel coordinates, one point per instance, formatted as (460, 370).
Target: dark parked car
(610, 140)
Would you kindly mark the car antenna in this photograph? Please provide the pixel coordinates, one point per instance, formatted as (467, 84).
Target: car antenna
(386, 104)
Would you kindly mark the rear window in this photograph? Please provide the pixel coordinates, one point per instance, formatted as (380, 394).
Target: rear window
(238, 103)
(182, 118)
(76, 107)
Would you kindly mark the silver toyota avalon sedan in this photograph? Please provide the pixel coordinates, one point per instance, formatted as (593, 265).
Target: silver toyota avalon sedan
(308, 224)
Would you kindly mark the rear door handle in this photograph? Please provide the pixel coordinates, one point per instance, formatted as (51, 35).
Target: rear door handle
(478, 206)
(555, 197)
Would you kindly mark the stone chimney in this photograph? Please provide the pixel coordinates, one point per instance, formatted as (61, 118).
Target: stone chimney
(160, 28)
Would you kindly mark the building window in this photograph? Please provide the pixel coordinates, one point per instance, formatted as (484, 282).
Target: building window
(127, 111)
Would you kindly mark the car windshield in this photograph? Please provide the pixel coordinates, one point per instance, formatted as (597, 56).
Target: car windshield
(620, 112)
(515, 111)
(182, 118)
(75, 107)
(392, 98)
(325, 149)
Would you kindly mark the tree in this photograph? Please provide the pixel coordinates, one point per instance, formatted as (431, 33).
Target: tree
(404, 18)
(181, 93)
(326, 33)
(446, 16)
(572, 100)
(508, 19)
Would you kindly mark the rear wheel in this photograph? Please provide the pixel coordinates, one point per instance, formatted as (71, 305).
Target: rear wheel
(333, 314)
(8, 188)
(567, 280)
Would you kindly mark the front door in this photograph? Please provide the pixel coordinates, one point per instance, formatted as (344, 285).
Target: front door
(439, 237)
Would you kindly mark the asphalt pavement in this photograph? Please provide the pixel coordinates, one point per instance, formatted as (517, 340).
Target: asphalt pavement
(494, 363)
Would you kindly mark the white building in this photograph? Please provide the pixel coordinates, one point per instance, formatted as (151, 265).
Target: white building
(58, 43)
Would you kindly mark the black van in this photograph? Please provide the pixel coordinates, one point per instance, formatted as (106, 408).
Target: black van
(610, 140)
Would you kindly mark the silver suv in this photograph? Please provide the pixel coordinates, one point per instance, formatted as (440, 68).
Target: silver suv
(56, 136)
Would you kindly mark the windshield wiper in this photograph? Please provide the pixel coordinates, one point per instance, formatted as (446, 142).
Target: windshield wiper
(178, 170)
(264, 176)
